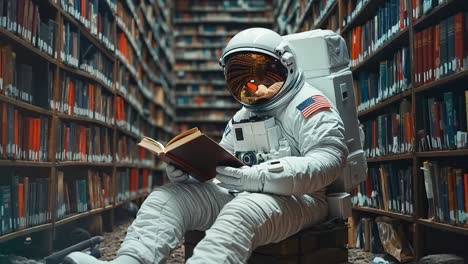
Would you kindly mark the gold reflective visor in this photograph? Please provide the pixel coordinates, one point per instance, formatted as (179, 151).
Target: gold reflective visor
(253, 78)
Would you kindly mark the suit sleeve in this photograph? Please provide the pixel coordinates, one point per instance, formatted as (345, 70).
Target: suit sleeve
(323, 151)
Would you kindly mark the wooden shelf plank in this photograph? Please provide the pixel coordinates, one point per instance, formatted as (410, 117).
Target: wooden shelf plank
(443, 153)
(404, 156)
(26, 45)
(74, 217)
(386, 102)
(85, 75)
(25, 106)
(84, 119)
(443, 226)
(398, 40)
(24, 232)
(83, 163)
(383, 212)
(25, 163)
(130, 165)
(443, 82)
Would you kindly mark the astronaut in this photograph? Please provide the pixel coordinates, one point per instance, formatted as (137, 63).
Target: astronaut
(276, 198)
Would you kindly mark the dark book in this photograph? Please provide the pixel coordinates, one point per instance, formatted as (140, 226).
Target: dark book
(14, 199)
(444, 47)
(7, 221)
(451, 44)
(193, 152)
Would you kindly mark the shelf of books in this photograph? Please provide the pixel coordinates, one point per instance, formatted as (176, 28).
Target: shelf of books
(409, 59)
(80, 83)
(202, 29)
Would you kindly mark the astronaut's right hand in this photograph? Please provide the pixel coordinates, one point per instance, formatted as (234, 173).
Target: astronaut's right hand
(176, 175)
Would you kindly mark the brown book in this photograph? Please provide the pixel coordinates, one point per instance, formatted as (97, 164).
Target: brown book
(437, 51)
(194, 153)
(459, 41)
(451, 196)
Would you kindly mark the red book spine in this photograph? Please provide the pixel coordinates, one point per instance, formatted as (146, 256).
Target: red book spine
(402, 11)
(37, 137)
(459, 42)
(16, 133)
(4, 128)
(71, 96)
(436, 51)
(417, 55)
(424, 56)
(368, 187)
(21, 205)
(430, 48)
(145, 180)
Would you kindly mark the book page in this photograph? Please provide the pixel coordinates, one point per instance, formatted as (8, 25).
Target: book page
(182, 135)
(152, 145)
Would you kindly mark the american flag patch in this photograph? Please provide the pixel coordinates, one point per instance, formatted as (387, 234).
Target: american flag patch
(313, 104)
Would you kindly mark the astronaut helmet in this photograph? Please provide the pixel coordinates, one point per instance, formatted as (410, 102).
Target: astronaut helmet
(260, 69)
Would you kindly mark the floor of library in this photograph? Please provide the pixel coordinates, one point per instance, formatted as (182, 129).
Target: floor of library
(112, 243)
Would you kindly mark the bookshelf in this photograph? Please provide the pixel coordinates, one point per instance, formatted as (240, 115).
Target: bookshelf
(201, 30)
(102, 78)
(300, 15)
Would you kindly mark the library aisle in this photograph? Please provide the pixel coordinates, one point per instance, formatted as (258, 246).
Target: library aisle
(82, 82)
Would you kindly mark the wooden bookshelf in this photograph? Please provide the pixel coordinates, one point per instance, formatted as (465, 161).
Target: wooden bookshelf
(442, 153)
(84, 120)
(24, 232)
(25, 163)
(25, 106)
(197, 33)
(385, 103)
(447, 227)
(61, 164)
(394, 157)
(158, 62)
(390, 45)
(443, 82)
(383, 212)
(402, 38)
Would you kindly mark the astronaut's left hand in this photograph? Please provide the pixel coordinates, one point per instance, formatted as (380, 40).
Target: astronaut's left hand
(241, 179)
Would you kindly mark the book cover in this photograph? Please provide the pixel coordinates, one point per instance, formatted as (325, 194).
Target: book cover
(194, 153)
(429, 189)
(459, 41)
(460, 192)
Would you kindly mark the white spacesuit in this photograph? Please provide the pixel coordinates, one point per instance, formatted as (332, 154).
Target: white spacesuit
(276, 198)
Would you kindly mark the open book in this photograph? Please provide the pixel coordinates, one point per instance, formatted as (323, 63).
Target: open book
(193, 152)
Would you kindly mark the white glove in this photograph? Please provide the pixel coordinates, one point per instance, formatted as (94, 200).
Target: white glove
(176, 175)
(240, 179)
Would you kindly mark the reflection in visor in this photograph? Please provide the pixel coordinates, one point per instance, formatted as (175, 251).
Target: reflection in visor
(249, 77)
